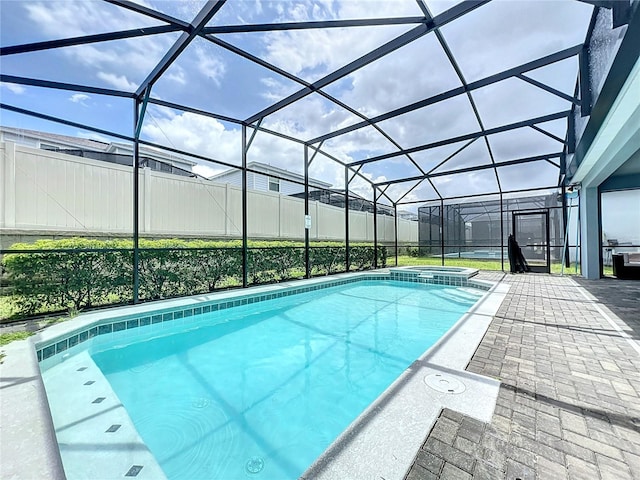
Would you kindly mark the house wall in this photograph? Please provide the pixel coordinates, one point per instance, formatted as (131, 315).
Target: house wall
(48, 194)
(260, 182)
(232, 178)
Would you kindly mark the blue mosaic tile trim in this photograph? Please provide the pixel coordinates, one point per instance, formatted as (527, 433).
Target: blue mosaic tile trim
(119, 324)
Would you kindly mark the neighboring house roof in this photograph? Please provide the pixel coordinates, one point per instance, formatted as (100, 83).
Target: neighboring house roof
(77, 142)
(65, 141)
(407, 215)
(276, 172)
(117, 147)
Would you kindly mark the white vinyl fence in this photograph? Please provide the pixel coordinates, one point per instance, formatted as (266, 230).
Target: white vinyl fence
(58, 194)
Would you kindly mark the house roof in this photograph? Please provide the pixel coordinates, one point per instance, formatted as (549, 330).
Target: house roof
(275, 172)
(97, 145)
(79, 142)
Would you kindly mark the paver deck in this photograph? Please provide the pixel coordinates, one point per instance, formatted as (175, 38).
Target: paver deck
(567, 353)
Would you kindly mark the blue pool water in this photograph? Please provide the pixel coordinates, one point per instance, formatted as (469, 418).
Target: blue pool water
(260, 391)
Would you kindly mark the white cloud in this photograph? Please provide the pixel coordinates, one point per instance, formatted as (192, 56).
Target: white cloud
(57, 23)
(176, 75)
(312, 54)
(80, 98)
(210, 65)
(378, 87)
(519, 30)
(13, 88)
(276, 89)
(211, 138)
(120, 63)
(193, 133)
(309, 117)
(118, 81)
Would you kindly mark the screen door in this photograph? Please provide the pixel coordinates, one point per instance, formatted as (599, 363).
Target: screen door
(531, 231)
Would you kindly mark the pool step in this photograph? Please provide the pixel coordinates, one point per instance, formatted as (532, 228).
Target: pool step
(472, 292)
(460, 295)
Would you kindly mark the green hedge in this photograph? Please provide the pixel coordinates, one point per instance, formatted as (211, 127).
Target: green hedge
(54, 281)
(96, 272)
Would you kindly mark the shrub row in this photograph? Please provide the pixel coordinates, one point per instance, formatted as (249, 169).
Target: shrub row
(80, 273)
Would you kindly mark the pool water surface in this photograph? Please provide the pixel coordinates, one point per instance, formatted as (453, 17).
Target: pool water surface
(261, 390)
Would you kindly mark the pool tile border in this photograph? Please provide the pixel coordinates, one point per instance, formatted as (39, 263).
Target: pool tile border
(48, 349)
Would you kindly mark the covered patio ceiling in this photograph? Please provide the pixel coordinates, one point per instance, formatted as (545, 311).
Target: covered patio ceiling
(413, 100)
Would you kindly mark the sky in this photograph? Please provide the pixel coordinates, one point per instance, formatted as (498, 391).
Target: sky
(490, 39)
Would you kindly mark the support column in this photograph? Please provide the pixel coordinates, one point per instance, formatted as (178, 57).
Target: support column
(346, 218)
(280, 216)
(501, 233)
(245, 255)
(3, 186)
(306, 212)
(146, 195)
(591, 247)
(316, 221)
(565, 225)
(227, 211)
(395, 230)
(375, 229)
(430, 231)
(136, 203)
(442, 232)
(139, 109)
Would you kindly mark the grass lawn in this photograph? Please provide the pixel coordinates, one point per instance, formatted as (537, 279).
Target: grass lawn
(480, 264)
(6, 338)
(452, 262)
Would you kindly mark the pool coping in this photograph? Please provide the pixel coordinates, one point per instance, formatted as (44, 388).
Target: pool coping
(29, 439)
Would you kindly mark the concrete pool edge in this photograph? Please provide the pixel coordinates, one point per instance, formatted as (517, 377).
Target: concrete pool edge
(27, 438)
(20, 372)
(382, 442)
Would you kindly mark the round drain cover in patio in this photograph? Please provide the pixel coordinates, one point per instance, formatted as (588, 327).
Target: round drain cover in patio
(444, 383)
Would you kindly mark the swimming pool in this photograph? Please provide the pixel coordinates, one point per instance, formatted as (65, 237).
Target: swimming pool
(261, 389)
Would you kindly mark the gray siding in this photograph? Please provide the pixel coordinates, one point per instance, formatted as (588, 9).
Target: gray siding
(232, 178)
(258, 182)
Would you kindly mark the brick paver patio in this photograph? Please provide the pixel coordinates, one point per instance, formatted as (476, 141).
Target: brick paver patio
(569, 403)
